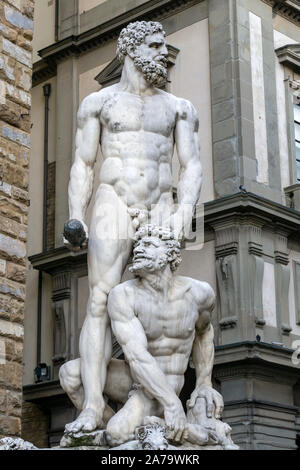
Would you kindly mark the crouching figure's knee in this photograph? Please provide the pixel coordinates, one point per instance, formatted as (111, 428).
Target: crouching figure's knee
(69, 376)
(115, 435)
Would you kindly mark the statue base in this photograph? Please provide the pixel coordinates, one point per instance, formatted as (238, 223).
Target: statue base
(149, 437)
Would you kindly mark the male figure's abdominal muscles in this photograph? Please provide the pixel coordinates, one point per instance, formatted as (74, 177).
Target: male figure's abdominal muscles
(137, 184)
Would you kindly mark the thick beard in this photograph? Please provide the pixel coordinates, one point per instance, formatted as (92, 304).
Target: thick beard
(156, 74)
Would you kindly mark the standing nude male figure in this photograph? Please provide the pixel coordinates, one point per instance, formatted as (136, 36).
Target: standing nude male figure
(137, 126)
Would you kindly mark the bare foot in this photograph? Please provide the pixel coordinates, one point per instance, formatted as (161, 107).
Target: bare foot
(87, 421)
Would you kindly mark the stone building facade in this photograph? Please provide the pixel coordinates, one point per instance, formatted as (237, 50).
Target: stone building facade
(16, 32)
(238, 62)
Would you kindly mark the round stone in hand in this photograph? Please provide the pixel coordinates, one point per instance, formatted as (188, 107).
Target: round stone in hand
(74, 232)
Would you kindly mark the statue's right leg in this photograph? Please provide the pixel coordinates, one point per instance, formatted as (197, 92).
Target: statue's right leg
(108, 253)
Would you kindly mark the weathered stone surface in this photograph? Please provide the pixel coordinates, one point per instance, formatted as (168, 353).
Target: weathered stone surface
(2, 267)
(35, 424)
(16, 25)
(16, 52)
(23, 77)
(13, 351)
(7, 71)
(17, 175)
(15, 135)
(8, 443)
(9, 329)
(96, 438)
(11, 307)
(11, 376)
(16, 273)
(9, 425)
(17, 19)
(13, 248)
(8, 32)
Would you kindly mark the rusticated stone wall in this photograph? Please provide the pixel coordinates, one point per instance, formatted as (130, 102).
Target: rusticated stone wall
(16, 30)
(35, 424)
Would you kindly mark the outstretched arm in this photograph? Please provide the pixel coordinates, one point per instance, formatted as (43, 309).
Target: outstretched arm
(86, 144)
(203, 354)
(190, 175)
(144, 368)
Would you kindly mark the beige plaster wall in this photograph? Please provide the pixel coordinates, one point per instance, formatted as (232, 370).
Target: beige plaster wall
(34, 240)
(85, 5)
(190, 79)
(44, 26)
(286, 27)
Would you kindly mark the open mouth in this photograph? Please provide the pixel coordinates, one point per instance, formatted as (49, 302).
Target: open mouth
(141, 257)
(161, 61)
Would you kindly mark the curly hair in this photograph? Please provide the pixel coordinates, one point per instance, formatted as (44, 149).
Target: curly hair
(173, 251)
(134, 34)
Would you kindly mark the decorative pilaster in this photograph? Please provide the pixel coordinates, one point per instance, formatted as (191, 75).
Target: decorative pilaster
(61, 297)
(256, 265)
(282, 281)
(227, 245)
(296, 268)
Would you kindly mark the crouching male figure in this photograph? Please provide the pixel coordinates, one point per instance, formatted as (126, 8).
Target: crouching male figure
(159, 319)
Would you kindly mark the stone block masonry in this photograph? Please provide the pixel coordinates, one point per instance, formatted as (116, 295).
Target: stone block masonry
(16, 31)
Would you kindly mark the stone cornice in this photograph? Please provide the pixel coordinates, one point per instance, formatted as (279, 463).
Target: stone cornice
(289, 9)
(236, 356)
(153, 9)
(59, 260)
(289, 56)
(244, 206)
(41, 71)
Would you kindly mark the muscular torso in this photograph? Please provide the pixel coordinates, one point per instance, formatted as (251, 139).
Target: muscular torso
(137, 140)
(169, 325)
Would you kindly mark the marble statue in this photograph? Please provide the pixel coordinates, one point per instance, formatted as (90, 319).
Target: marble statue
(160, 319)
(137, 125)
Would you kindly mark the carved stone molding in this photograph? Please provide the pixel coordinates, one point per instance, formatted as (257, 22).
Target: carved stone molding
(154, 10)
(256, 267)
(226, 238)
(281, 251)
(296, 269)
(289, 9)
(41, 71)
(282, 280)
(61, 286)
(289, 56)
(227, 282)
(255, 240)
(60, 336)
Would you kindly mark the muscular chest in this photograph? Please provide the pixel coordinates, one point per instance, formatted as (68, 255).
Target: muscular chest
(172, 318)
(125, 112)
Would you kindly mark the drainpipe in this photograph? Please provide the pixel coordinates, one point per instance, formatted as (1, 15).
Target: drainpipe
(56, 19)
(47, 92)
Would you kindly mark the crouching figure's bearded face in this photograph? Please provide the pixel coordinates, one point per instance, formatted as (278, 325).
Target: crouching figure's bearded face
(154, 248)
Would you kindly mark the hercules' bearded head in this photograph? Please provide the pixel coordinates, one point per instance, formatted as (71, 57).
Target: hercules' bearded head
(145, 43)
